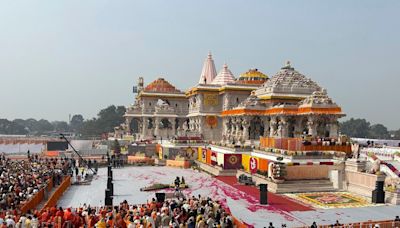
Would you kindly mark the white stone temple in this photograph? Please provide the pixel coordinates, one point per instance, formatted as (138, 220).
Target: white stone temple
(222, 107)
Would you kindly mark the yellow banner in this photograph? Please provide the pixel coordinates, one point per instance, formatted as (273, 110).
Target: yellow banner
(210, 99)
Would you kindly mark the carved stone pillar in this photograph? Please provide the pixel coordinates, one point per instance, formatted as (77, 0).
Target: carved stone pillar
(298, 128)
(283, 127)
(144, 127)
(273, 126)
(266, 132)
(225, 126)
(238, 124)
(312, 126)
(173, 123)
(245, 124)
(157, 127)
(234, 129)
(334, 129)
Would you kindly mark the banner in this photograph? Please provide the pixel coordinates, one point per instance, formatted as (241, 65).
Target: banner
(210, 99)
(232, 161)
(253, 165)
(212, 121)
(213, 158)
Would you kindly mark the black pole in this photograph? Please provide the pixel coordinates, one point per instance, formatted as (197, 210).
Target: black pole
(84, 161)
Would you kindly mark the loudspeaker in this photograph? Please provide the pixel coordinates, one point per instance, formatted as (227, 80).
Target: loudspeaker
(263, 194)
(160, 197)
(378, 195)
(108, 199)
(110, 186)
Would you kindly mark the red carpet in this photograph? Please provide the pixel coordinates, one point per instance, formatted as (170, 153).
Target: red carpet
(274, 200)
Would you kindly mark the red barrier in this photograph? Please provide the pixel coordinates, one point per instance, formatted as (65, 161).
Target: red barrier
(52, 201)
(33, 202)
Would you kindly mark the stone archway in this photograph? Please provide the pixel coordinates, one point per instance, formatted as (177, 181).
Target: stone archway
(134, 126)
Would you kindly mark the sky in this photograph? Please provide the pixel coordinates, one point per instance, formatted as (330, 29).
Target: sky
(77, 57)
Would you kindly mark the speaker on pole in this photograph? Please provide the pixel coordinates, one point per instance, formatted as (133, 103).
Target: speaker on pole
(263, 194)
(378, 194)
(110, 185)
(108, 199)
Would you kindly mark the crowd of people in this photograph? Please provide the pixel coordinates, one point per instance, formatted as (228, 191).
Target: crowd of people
(193, 212)
(21, 179)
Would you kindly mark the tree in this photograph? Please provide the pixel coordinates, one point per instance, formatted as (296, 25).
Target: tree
(76, 122)
(43, 126)
(106, 120)
(379, 131)
(358, 128)
(396, 134)
(60, 126)
(11, 128)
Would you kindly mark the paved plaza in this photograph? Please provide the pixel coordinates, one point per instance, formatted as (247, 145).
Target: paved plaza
(244, 206)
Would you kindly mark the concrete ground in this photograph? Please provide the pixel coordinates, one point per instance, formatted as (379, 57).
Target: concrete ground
(128, 181)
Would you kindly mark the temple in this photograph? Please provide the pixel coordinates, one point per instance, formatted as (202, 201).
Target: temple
(281, 130)
(228, 109)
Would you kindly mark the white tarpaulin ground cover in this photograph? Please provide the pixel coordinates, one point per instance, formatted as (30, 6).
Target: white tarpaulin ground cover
(128, 181)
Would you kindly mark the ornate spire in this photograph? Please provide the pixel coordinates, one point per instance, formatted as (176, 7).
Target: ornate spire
(224, 77)
(208, 73)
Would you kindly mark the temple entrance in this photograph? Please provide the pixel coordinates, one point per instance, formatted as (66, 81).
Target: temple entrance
(134, 126)
(256, 128)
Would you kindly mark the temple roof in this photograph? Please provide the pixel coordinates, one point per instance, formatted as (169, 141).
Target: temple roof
(208, 72)
(252, 76)
(289, 82)
(224, 77)
(318, 98)
(160, 85)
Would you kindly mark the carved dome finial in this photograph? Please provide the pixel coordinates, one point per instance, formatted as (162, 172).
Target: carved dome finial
(287, 66)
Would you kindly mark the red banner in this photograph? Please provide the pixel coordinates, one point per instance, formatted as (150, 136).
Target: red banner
(213, 158)
(232, 161)
(253, 165)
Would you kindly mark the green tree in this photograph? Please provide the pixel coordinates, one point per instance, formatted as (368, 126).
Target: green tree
(396, 134)
(11, 128)
(358, 128)
(44, 126)
(76, 122)
(60, 126)
(379, 131)
(106, 120)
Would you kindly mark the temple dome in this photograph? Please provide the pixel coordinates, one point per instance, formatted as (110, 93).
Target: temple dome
(224, 77)
(160, 85)
(288, 81)
(252, 76)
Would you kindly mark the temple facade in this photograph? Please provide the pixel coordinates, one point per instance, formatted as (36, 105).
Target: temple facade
(225, 108)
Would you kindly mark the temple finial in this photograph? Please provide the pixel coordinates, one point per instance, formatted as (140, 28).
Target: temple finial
(287, 66)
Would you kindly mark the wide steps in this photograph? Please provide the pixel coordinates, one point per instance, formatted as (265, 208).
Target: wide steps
(306, 186)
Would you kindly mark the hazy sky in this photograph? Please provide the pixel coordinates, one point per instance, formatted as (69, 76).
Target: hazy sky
(66, 57)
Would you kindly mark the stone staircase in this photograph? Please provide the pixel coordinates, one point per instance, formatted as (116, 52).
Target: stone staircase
(306, 186)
